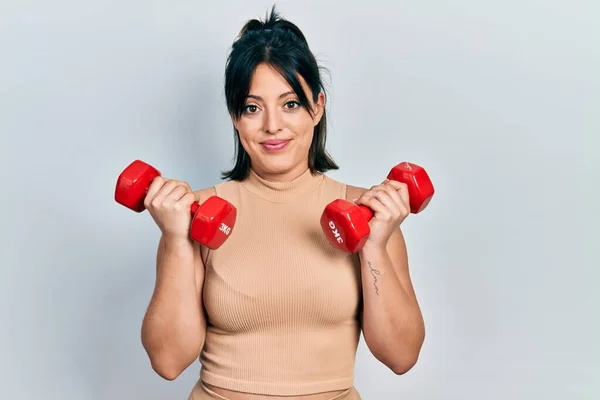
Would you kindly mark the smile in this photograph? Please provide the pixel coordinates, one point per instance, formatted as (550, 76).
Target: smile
(274, 145)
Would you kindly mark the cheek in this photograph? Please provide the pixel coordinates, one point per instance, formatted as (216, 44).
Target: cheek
(248, 131)
(303, 127)
(309, 130)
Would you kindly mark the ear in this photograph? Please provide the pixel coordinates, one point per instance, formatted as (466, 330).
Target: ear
(319, 108)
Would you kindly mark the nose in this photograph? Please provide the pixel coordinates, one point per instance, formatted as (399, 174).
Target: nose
(272, 123)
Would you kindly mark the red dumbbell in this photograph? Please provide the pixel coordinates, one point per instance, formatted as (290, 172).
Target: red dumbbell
(346, 225)
(212, 221)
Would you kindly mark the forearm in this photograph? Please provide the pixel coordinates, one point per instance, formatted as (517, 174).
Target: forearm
(393, 326)
(174, 325)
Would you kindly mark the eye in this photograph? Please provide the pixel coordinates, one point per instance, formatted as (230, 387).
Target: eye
(250, 109)
(291, 105)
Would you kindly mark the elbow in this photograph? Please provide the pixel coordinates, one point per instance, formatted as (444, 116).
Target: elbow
(401, 363)
(403, 366)
(168, 361)
(405, 361)
(168, 366)
(166, 370)
(408, 358)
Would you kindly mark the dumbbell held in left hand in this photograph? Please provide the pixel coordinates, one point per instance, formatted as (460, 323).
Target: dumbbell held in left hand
(346, 224)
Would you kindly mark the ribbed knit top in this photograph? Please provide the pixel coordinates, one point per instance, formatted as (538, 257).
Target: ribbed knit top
(282, 303)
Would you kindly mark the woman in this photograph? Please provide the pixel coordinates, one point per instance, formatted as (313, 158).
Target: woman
(276, 312)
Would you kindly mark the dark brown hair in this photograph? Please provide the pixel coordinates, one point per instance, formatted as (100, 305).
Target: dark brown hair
(282, 45)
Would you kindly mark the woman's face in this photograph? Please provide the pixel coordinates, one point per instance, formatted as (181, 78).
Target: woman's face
(275, 130)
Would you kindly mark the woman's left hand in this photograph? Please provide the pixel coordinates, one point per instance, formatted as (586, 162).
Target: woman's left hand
(390, 204)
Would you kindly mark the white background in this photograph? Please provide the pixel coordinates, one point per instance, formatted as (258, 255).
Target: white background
(498, 100)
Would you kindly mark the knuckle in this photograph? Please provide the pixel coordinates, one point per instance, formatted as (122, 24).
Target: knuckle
(190, 197)
(159, 181)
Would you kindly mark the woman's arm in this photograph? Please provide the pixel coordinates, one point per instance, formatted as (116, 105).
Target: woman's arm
(174, 326)
(392, 322)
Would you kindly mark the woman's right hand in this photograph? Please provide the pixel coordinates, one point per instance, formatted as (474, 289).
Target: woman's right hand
(169, 202)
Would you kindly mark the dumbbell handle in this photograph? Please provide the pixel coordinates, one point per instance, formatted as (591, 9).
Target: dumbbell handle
(193, 207)
(366, 212)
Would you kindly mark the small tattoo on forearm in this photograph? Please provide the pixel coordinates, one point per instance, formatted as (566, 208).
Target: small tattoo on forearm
(374, 273)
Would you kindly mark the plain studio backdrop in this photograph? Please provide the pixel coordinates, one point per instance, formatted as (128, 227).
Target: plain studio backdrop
(497, 100)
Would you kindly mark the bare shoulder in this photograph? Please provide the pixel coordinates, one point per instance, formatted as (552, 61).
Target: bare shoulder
(203, 194)
(354, 192)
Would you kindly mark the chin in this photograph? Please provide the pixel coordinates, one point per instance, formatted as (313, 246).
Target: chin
(278, 166)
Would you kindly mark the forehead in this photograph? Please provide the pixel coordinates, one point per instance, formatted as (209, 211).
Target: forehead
(267, 81)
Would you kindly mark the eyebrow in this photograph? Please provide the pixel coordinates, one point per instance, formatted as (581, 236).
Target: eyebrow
(280, 96)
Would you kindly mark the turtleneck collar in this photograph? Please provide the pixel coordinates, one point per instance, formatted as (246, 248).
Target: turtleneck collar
(284, 191)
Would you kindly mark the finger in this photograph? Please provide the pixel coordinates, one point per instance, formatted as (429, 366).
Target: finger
(392, 192)
(175, 195)
(378, 197)
(156, 184)
(186, 201)
(367, 193)
(164, 192)
(185, 184)
(378, 208)
(395, 195)
(393, 209)
(402, 189)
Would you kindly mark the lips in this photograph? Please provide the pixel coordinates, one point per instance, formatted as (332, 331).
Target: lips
(274, 145)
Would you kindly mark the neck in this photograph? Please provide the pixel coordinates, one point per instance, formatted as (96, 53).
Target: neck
(282, 188)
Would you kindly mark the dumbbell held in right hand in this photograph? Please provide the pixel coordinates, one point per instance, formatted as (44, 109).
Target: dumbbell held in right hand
(212, 221)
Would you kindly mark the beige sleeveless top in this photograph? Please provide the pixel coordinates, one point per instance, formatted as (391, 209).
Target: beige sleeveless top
(282, 303)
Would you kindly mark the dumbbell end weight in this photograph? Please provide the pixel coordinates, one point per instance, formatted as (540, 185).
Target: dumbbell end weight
(133, 183)
(346, 225)
(213, 222)
(420, 188)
